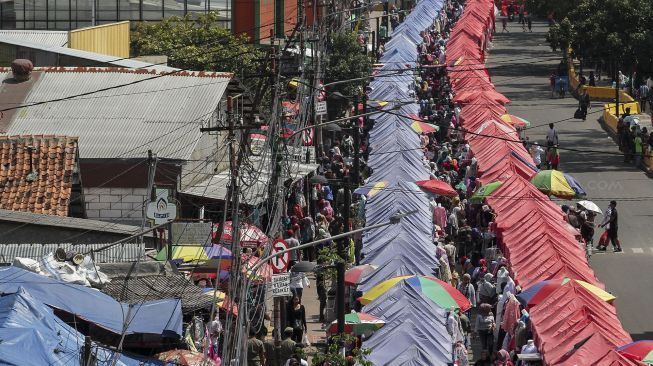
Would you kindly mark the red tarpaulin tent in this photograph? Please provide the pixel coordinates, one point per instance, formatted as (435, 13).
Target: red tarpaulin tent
(481, 97)
(573, 316)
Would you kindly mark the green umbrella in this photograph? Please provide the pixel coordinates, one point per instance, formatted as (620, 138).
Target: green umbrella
(486, 190)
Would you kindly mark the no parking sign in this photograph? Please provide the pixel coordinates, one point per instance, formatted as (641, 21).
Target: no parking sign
(280, 262)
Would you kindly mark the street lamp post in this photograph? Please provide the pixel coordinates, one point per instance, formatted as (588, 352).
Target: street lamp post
(243, 310)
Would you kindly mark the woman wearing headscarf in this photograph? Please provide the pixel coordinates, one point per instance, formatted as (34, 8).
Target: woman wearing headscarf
(503, 358)
(486, 290)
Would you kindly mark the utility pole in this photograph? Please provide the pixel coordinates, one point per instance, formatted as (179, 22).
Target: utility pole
(151, 173)
(87, 354)
(616, 89)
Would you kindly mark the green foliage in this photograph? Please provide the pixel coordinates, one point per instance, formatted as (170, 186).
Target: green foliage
(346, 61)
(196, 43)
(609, 30)
(333, 357)
(560, 8)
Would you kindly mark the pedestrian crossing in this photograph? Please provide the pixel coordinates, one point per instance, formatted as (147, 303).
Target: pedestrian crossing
(626, 250)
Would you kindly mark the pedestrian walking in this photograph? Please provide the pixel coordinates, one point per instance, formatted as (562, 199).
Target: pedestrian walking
(536, 152)
(255, 350)
(530, 23)
(639, 149)
(296, 319)
(584, 104)
(298, 281)
(643, 96)
(484, 327)
(592, 80)
(504, 24)
(552, 82)
(553, 158)
(611, 223)
(551, 136)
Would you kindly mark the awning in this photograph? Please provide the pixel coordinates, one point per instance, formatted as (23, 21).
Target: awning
(256, 191)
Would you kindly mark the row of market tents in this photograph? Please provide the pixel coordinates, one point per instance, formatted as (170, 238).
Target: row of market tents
(415, 332)
(573, 326)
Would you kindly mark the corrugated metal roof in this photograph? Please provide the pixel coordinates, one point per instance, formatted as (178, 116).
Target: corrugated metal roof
(119, 253)
(163, 114)
(68, 222)
(42, 37)
(99, 58)
(216, 186)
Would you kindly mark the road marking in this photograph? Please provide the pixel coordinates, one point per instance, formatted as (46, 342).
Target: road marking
(638, 250)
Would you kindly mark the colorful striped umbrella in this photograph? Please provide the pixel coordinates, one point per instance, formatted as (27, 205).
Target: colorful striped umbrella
(515, 121)
(189, 253)
(263, 273)
(423, 127)
(485, 191)
(250, 235)
(438, 291)
(222, 301)
(358, 324)
(555, 183)
(438, 187)
(541, 290)
(639, 351)
(371, 189)
(356, 274)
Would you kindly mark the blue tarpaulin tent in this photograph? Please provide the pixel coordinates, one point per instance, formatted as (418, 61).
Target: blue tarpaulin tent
(161, 317)
(31, 335)
(411, 320)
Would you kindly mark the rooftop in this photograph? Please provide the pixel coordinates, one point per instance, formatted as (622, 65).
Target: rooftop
(115, 112)
(37, 40)
(36, 173)
(68, 222)
(43, 37)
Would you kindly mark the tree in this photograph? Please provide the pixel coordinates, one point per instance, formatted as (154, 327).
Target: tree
(196, 42)
(333, 357)
(346, 61)
(613, 31)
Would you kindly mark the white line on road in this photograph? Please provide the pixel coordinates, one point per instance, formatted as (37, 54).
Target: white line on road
(638, 250)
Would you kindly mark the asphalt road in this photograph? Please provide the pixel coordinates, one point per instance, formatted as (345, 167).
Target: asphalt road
(520, 64)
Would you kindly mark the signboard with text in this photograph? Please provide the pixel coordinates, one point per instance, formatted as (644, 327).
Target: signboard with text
(160, 210)
(321, 108)
(281, 285)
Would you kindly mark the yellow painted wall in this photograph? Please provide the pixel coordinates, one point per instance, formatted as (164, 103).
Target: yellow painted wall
(108, 39)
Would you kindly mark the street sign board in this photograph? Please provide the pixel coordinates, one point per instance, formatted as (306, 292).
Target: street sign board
(280, 262)
(281, 285)
(193, 233)
(320, 108)
(160, 210)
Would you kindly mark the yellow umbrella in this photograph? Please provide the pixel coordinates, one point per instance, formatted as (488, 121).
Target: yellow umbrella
(541, 290)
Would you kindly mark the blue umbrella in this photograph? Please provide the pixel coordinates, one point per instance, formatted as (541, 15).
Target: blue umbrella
(573, 183)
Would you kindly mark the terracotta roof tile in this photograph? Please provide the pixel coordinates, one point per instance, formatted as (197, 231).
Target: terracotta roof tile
(52, 159)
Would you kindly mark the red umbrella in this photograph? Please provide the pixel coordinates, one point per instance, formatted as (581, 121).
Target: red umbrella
(438, 187)
(356, 274)
(250, 235)
(263, 273)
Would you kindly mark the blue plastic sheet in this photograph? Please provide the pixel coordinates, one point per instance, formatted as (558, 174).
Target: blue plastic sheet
(415, 330)
(161, 317)
(32, 335)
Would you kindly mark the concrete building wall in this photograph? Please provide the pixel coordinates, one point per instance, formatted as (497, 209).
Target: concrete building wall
(119, 205)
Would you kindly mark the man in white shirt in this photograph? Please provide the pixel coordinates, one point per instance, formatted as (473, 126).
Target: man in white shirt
(551, 136)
